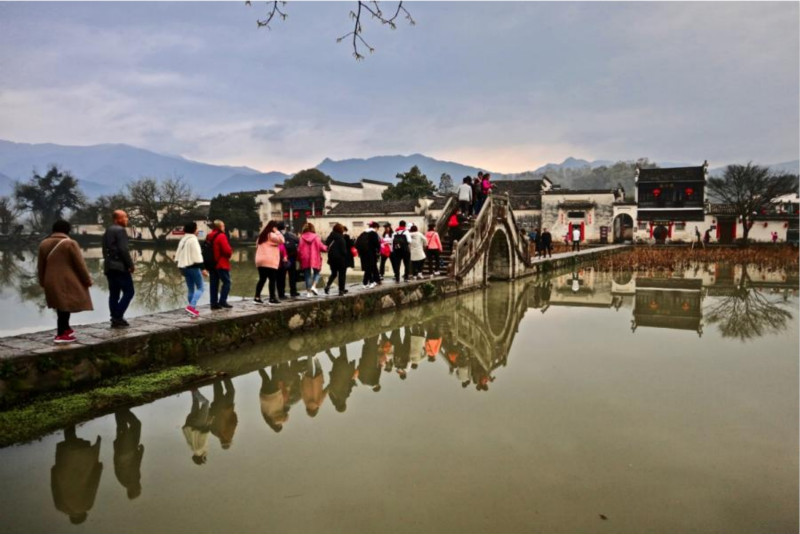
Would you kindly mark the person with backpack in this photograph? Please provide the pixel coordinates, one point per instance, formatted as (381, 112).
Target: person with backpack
(401, 253)
(189, 258)
(434, 243)
(309, 255)
(416, 248)
(339, 257)
(217, 254)
(386, 247)
(290, 267)
(268, 259)
(368, 246)
(65, 279)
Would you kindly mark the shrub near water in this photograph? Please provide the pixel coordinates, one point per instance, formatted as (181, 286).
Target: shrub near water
(47, 414)
(646, 258)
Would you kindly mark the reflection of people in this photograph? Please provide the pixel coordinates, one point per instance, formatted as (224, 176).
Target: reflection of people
(223, 413)
(197, 427)
(369, 366)
(342, 379)
(402, 352)
(128, 452)
(65, 279)
(312, 386)
(416, 345)
(576, 283)
(273, 403)
(75, 477)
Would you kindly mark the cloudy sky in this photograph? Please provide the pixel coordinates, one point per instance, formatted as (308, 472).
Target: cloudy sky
(504, 86)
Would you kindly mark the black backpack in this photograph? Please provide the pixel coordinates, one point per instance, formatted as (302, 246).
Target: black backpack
(362, 244)
(400, 242)
(291, 244)
(209, 261)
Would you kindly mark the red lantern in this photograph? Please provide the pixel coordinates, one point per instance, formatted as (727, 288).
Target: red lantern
(656, 192)
(308, 214)
(297, 215)
(285, 214)
(689, 191)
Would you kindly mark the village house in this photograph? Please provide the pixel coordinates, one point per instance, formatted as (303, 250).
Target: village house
(356, 215)
(589, 210)
(298, 204)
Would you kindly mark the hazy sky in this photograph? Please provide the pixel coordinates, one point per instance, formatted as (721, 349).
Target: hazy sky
(503, 86)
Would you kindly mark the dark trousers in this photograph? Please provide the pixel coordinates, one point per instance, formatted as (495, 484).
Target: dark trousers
(383, 265)
(465, 206)
(217, 276)
(434, 259)
(417, 266)
(399, 258)
(339, 271)
(62, 322)
(120, 292)
(265, 273)
(576, 245)
(293, 276)
(370, 266)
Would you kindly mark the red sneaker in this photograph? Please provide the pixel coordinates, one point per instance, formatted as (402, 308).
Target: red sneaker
(191, 310)
(70, 332)
(64, 338)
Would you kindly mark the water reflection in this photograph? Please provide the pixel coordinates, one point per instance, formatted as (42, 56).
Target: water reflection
(468, 339)
(75, 477)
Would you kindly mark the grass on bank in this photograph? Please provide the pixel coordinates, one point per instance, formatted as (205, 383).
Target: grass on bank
(647, 258)
(51, 412)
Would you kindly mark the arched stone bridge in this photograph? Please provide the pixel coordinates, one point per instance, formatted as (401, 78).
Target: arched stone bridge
(494, 248)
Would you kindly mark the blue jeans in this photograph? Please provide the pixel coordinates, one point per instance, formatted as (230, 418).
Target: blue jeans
(194, 284)
(312, 277)
(119, 282)
(216, 276)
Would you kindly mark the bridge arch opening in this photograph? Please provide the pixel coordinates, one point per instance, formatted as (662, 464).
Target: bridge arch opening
(623, 228)
(499, 258)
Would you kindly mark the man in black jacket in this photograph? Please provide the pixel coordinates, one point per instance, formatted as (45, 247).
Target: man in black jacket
(368, 245)
(118, 268)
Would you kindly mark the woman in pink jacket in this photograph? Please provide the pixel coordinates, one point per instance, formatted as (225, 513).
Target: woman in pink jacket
(268, 259)
(310, 257)
(434, 249)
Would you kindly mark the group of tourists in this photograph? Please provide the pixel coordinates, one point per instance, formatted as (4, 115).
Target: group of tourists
(473, 192)
(542, 242)
(281, 257)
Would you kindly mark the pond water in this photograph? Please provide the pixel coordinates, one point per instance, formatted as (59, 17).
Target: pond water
(589, 402)
(158, 283)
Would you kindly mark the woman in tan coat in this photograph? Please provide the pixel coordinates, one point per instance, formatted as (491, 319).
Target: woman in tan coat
(64, 277)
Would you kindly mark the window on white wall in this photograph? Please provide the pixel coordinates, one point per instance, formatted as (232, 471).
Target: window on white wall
(358, 224)
(680, 226)
(642, 225)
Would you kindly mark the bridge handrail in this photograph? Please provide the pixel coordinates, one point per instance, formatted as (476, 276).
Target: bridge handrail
(447, 211)
(468, 248)
(520, 244)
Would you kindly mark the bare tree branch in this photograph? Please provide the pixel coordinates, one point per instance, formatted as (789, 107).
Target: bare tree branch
(275, 9)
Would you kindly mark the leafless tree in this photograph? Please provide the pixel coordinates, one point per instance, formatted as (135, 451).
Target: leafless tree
(372, 9)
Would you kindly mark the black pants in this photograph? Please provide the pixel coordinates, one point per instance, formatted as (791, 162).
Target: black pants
(119, 282)
(434, 259)
(370, 266)
(339, 271)
(62, 322)
(265, 273)
(576, 245)
(465, 206)
(383, 265)
(294, 275)
(417, 267)
(399, 258)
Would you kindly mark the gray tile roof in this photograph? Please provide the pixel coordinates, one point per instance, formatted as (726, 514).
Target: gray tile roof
(303, 191)
(674, 174)
(374, 207)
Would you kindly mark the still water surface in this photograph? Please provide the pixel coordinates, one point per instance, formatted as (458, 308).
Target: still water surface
(590, 402)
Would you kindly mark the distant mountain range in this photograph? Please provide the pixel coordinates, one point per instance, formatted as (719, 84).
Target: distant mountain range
(105, 169)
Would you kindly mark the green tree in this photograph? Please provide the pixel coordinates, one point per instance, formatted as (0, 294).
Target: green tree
(8, 215)
(100, 211)
(159, 206)
(304, 177)
(749, 190)
(412, 185)
(48, 197)
(238, 210)
(446, 184)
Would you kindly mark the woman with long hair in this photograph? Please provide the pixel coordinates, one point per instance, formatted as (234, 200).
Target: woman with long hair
(309, 254)
(189, 258)
(268, 260)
